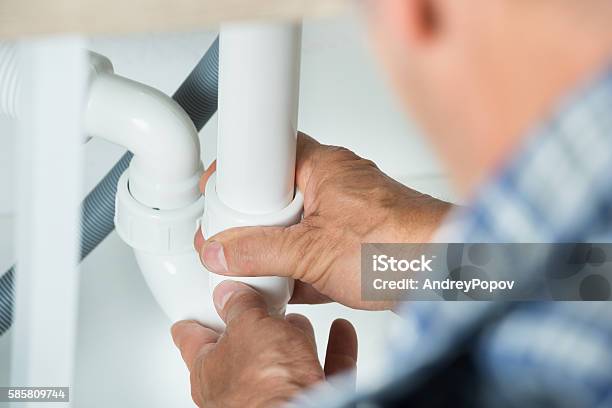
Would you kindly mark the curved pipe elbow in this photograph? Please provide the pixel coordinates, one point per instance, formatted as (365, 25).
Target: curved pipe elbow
(179, 286)
(163, 175)
(166, 166)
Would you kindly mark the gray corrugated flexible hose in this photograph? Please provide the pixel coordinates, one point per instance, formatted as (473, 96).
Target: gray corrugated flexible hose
(197, 95)
(6, 299)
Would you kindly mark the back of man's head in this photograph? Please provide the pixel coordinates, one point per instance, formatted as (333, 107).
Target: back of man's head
(477, 75)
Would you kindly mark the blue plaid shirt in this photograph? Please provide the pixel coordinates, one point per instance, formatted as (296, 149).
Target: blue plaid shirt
(556, 188)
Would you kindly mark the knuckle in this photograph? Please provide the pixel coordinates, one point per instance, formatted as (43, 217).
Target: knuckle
(309, 377)
(345, 157)
(305, 243)
(340, 153)
(244, 251)
(239, 252)
(297, 318)
(366, 163)
(245, 319)
(254, 314)
(297, 342)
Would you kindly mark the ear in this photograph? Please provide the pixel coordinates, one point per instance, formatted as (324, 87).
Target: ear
(412, 22)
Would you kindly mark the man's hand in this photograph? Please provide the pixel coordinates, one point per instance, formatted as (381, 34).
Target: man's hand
(347, 201)
(259, 360)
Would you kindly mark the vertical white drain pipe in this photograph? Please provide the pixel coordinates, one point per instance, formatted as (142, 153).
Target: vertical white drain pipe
(258, 99)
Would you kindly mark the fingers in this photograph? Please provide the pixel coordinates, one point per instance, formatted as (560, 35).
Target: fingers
(261, 251)
(234, 299)
(305, 294)
(307, 149)
(198, 240)
(341, 348)
(206, 175)
(192, 339)
(302, 323)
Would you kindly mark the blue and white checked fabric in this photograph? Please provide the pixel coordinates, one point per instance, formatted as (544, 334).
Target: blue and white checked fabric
(556, 188)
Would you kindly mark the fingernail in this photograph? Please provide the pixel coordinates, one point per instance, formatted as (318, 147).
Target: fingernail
(213, 257)
(224, 291)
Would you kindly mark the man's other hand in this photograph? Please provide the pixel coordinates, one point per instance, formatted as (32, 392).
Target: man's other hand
(259, 360)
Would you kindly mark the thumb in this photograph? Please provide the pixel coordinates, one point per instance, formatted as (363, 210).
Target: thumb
(261, 251)
(234, 299)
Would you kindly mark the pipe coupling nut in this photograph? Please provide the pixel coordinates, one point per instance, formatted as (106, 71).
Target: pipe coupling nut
(161, 232)
(219, 217)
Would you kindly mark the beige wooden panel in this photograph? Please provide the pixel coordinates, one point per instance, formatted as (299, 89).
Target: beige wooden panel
(31, 17)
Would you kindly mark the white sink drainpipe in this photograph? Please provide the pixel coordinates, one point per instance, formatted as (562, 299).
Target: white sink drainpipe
(258, 99)
(158, 205)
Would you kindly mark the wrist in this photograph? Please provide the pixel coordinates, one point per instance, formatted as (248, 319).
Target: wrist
(420, 221)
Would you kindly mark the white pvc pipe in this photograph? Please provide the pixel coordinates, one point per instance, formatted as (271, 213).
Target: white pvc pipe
(49, 192)
(179, 286)
(258, 95)
(166, 166)
(158, 203)
(255, 177)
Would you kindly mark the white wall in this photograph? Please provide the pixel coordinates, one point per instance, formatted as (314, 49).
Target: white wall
(125, 356)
